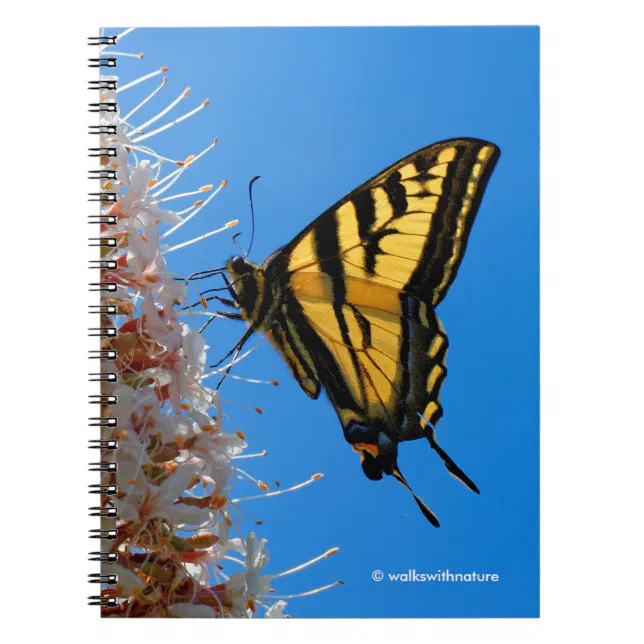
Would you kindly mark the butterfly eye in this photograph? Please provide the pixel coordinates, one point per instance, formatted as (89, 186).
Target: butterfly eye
(238, 264)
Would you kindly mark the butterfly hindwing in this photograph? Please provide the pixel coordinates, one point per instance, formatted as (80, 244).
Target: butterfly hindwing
(380, 355)
(381, 352)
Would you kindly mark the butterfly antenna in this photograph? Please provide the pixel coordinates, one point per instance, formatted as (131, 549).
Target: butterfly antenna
(427, 513)
(252, 213)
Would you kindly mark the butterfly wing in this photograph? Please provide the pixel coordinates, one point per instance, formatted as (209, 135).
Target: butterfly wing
(407, 227)
(397, 241)
(379, 352)
(357, 291)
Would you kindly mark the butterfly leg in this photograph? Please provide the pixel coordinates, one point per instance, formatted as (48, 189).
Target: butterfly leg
(229, 287)
(230, 316)
(236, 350)
(200, 301)
(237, 347)
(221, 314)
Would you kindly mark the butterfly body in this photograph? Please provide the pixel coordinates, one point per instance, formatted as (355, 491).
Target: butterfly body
(350, 302)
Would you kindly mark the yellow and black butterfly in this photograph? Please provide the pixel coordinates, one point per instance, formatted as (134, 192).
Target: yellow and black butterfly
(350, 302)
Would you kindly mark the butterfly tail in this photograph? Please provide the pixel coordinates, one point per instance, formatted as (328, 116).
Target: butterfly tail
(427, 513)
(452, 468)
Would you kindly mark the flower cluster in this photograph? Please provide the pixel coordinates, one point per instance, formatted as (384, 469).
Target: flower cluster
(176, 463)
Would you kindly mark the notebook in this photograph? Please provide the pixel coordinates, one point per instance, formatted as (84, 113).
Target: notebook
(299, 233)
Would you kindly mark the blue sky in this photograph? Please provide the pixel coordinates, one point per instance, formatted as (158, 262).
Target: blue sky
(316, 112)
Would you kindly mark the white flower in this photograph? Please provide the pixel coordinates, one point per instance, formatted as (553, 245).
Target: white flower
(147, 266)
(216, 468)
(174, 427)
(138, 205)
(130, 459)
(119, 141)
(109, 96)
(145, 501)
(243, 586)
(160, 324)
(256, 558)
(163, 360)
(276, 610)
(122, 143)
(216, 553)
(208, 443)
(194, 349)
(124, 406)
(137, 412)
(128, 582)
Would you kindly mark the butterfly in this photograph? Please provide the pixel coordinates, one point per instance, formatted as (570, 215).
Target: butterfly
(350, 303)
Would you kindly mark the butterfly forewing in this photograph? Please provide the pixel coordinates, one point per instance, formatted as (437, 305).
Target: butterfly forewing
(408, 226)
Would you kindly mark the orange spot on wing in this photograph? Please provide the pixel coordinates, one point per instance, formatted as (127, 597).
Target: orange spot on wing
(365, 447)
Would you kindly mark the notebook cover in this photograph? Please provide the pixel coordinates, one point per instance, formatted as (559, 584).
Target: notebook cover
(274, 426)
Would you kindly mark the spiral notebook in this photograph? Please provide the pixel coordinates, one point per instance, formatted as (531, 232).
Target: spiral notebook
(291, 227)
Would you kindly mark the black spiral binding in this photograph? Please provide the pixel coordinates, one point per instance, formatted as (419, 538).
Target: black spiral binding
(105, 465)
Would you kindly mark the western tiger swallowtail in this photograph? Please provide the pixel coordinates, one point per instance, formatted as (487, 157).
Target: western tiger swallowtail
(350, 303)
